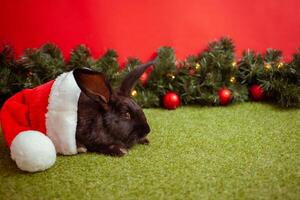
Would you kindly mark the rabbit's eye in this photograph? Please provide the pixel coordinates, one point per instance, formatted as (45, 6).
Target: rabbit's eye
(127, 115)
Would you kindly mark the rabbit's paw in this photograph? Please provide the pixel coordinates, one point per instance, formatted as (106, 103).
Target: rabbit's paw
(143, 141)
(116, 150)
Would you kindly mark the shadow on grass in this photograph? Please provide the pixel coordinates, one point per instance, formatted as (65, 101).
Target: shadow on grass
(7, 166)
(269, 104)
(274, 106)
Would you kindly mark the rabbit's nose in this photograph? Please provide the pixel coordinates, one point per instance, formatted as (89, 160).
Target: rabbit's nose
(147, 129)
(144, 130)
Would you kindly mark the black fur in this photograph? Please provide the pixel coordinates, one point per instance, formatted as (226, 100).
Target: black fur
(109, 121)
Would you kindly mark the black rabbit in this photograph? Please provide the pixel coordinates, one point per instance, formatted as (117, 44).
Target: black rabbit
(109, 121)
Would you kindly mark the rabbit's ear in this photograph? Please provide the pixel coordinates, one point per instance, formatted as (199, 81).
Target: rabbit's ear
(93, 84)
(132, 77)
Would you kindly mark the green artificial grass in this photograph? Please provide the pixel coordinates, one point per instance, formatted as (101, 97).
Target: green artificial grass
(244, 151)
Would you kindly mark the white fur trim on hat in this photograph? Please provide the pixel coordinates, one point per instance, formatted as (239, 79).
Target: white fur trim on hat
(33, 151)
(61, 118)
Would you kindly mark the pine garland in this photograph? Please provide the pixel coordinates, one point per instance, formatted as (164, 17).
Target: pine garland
(197, 79)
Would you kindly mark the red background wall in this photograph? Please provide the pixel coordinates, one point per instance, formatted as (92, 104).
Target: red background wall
(139, 27)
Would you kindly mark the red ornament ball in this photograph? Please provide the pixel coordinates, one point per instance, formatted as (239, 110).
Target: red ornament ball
(171, 100)
(144, 78)
(225, 96)
(256, 93)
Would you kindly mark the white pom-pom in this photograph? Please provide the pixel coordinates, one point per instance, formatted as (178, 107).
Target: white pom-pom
(33, 151)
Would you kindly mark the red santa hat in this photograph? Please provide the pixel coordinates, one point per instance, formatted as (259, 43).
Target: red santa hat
(40, 122)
